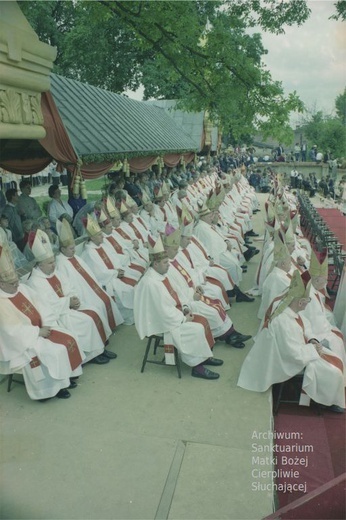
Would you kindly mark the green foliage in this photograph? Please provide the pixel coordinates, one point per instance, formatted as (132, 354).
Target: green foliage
(328, 133)
(196, 51)
(340, 106)
(340, 8)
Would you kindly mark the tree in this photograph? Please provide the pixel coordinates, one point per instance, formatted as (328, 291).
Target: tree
(328, 133)
(196, 51)
(340, 106)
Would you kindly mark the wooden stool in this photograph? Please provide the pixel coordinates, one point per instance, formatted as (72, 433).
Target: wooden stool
(157, 342)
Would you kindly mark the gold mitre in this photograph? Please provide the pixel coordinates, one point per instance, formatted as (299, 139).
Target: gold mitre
(65, 233)
(103, 219)
(7, 269)
(145, 198)
(212, 201)
(202, 208)
(289, 236)
(185, 215)
(299, 288)
(129, 201)
(40, 245)
(112, 211)
(92, 226)
(172, 236)
(124, 209)
(164, 189)
(319, 263)
(280, 249)
(156, 249)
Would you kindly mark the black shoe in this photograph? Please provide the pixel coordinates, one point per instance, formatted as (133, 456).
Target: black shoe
(241, 337)
(73, 384)
(108, 354)
(244, 269)
(336, 409)
(237, 345)
(99, 360)
(231, 293)
(204, 374)
(63, 394)
(252, 233)
(249, 254)
(241, 297)
(214, 362)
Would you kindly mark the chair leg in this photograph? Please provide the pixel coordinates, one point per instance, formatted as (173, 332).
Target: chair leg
(146, 354)
(278, 399)
(157, 344)
(9, 383)
(177, 362)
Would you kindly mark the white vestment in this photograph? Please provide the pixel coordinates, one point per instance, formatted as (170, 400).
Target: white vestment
(280, 352)
(217, 248)
(20, 343)
(276, 283)
(81, 325)
(81, 288)
(218, 326)
(108, 277)
(322, 329)
(156, 312)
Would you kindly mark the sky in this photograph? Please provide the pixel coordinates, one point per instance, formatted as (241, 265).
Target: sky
(310, 59)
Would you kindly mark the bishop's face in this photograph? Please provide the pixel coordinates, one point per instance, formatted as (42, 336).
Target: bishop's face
(162, 266)
(97, 239)
(47, 266)
(69, 251)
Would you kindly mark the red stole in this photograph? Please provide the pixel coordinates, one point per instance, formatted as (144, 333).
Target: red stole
(137, 267)
(104, 257)
(137, 232)
(141, 221)
(183, 272)
(108, 263)
(208, 278)
(196, 318)
(98, 323)
(56, 285)
(123, 234)
(26, 307)
(269, 311)
(214, 281)
(54, 282)
(216, 304)
(188, 256)
(115, 244)
(164, 214)
(193, 239)
(97, 290)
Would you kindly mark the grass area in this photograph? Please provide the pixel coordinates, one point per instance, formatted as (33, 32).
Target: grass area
(97, 184)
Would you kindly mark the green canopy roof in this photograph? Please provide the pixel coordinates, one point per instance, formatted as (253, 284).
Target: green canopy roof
(100, 122)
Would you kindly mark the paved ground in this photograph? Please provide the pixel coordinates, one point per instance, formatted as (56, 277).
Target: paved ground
(138, 446)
